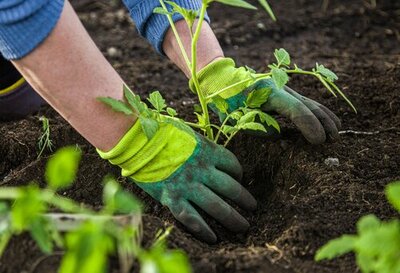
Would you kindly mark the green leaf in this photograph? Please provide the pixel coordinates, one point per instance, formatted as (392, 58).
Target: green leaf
(134, 100)
(39, 229)
(254, 126)
(258, 97)
(336, 247)
(280, 77)
(267, 8)
(116, 105)
(237, 3)
(157, 101)
(270, 121)
(117, 200)
(221, 104)
(248, 117)
(282, 57)
(62, 167)
(160, 10)
(27, 207)
(149, 126)
(87, 249)
(171, 112)
(236, 115)
(326, 73)
(368, 223)
(393, 194)
(226, 129)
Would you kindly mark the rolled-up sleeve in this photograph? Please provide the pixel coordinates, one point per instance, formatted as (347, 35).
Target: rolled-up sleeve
(24, 24)
(154, 26)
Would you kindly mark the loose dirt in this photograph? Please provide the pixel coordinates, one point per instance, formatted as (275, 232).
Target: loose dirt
(303, 203)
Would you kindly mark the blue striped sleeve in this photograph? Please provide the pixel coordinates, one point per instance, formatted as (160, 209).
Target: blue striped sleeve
(24, 24)
(154, 26)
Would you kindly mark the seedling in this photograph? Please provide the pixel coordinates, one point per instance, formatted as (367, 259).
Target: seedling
(45, 140)
(377, 244)
(278, 71)
(87, 237)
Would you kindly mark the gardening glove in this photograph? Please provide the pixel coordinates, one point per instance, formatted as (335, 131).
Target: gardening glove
(179, 168)
(315, 121)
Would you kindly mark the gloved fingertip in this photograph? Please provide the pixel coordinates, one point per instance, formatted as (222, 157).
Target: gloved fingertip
(236, 222)
(247, 201)
(311, 128)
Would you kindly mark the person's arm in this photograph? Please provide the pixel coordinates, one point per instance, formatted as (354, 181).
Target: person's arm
(215, 72)
(176, 167)
(69, 71)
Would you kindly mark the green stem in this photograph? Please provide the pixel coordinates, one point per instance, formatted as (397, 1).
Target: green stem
(222, 126)
(203, 102)
(230, 138)
(176, 34)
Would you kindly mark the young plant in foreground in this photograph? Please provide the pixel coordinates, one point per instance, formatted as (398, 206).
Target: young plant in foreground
(279, 71)
(87, 237)
(45, 140)
(377, 244)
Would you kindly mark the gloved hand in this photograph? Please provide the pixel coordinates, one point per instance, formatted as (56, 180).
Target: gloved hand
(314, 120)
(179, 167)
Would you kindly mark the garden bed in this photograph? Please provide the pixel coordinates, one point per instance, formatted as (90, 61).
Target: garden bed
(302, 202)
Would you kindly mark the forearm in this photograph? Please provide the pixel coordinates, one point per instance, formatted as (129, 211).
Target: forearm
(69, 71)
(208, 48)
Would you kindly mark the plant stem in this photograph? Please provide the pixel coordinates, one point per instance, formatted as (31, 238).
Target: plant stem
(230, 138)
(176, 34)
(222, 126)
(193, 70)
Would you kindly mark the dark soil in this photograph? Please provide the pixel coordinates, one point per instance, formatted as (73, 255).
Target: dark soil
(302, 202)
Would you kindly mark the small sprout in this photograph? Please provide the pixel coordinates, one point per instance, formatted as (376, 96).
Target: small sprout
(326, 73)
(221, 104)
(235, 3)
(45, 140)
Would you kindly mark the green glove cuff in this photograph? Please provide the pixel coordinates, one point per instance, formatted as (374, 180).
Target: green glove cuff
(221, 74)
(151, 160)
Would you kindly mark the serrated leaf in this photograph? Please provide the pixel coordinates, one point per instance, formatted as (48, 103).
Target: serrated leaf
(227, 129)
(160, 10)
(62, 167)
(116, 105)
(254, 126)
(171, 112)
(393, 194)
(200, 119)
(237, 3)
(134, 100)
(282, 56)
(258, 97)
(221, 104)
(279, 77)
(157, 101)
(267, 8)
(236, 115)
(270, 121)
(149, 126)
(330, 75)
(248, 117)
(336, 247)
